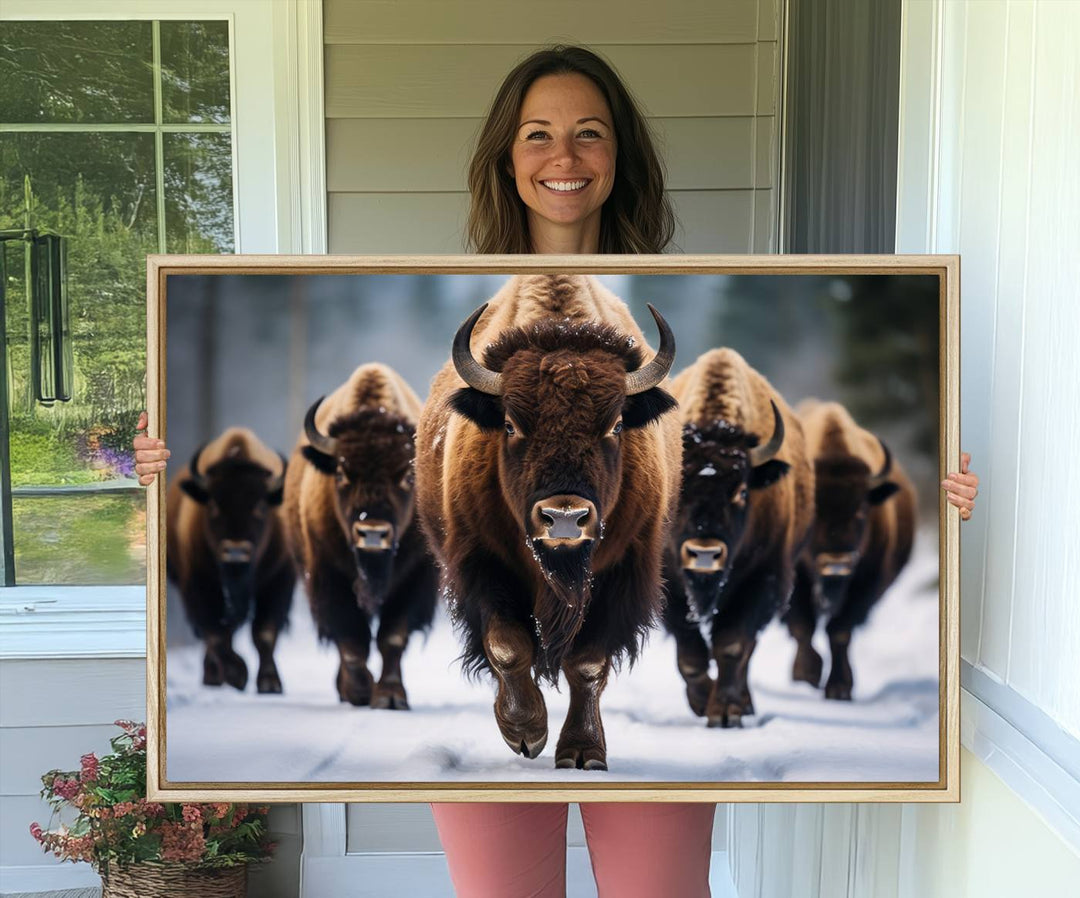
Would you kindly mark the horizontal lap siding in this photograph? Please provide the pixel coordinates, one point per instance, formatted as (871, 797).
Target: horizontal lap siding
(408, 83)
(459, 81)
(51, 713)
(516, 22)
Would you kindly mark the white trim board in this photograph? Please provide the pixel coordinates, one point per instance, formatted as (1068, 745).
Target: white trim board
(1024, 766)
(72, 622)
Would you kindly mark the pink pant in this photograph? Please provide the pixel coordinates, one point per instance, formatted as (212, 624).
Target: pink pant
(639, 850)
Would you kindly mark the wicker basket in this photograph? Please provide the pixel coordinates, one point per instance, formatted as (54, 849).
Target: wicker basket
(174, 881)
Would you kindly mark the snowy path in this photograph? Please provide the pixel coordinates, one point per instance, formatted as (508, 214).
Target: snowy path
(889, 733)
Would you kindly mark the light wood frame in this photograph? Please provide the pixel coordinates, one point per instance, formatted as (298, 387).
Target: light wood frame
(947, 788)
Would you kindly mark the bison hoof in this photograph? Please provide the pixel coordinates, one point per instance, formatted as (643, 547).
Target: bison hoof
(807, 667)
(591, 757)
(697, 694)
(269, 684)
(839, 691)
(236, 673)
(747, 705)
(390, 697)
(213, 675)
(524, 745)
(354, 686)
(726, 716)
(522, 718)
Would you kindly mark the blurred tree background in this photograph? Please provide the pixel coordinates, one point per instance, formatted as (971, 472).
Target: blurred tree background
(870, 342)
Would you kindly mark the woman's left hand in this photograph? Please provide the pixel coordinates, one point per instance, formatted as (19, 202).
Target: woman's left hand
(962, 488)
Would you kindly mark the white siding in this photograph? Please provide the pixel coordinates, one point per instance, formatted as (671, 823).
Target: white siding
(51, 713)
(407, 85)
(1008, 200)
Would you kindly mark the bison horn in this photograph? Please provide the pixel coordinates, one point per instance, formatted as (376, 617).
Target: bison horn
(761, 454)
(648, 377)
(881, 476)
(193, 467)
(471, 371)
(278, 482)
(326, 445)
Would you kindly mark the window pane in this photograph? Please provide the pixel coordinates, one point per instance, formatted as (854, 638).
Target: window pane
(81, 540)
(98, 191)
(76, 72)
(195, 72)
(198, 193)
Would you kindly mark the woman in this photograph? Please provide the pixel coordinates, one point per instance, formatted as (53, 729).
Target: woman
(565, 164)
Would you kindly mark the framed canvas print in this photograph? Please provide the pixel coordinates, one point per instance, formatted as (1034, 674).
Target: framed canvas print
(591, 529)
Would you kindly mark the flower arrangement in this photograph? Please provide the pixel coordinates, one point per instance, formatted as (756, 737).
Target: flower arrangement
(116, 825)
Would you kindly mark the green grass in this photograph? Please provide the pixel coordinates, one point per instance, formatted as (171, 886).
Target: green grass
(80, 540)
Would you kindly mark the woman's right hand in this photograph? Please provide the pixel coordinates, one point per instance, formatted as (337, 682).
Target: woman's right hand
(150, 454)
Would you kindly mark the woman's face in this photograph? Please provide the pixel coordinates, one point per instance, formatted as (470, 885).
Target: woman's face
(563, 154)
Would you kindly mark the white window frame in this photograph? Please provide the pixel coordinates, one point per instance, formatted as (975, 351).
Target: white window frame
(279, 205)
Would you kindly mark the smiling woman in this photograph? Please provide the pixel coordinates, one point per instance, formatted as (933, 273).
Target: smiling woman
(563, 161)
(563, 116)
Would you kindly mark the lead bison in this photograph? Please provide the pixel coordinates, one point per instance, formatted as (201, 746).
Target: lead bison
(349, 513)
(744, 516)
(862, 536)
(547, 474)
(225, 551)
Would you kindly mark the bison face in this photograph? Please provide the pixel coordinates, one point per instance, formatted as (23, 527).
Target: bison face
(561, 398)
(722, 468)
(369, 456)
(239, 498)
(846, 491)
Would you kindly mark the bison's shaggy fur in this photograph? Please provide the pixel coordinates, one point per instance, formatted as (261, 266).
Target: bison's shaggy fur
(225, 551)
(862, 537)
(564, 425)
(750, 521)
(333, 503)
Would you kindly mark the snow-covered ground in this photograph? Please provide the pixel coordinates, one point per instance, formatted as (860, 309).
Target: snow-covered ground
(889, 733)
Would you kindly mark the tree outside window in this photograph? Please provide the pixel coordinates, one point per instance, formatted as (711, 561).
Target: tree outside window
(116, 135)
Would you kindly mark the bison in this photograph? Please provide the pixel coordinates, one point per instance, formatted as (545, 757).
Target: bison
(862, 535)
(349, 515)
(744, 516)
(547, 474)
(225, 551)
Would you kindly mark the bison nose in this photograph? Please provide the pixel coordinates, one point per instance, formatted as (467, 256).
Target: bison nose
(373, 536)
(835, 564)
(564, 519)
(706, 555)
(236, 551)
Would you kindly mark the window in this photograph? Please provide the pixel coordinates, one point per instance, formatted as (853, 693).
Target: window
(116, 135)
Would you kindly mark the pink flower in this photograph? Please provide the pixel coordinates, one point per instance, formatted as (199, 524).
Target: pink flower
(89, 767)
(123, 808)
(150, 808)
(36, 831)
(65, 788)
(181, 842)
(192, 814)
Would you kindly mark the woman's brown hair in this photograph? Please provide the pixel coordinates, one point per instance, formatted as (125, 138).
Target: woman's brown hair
(637, 216)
